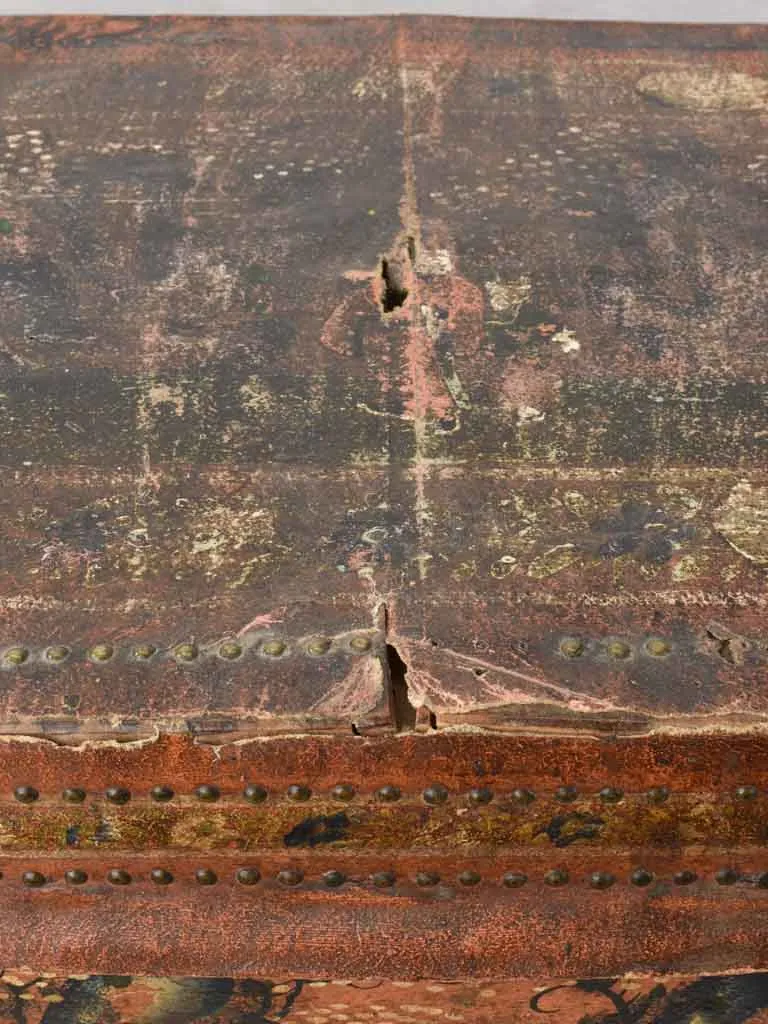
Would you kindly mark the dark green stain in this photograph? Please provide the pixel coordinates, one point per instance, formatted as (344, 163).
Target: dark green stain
(6, 228)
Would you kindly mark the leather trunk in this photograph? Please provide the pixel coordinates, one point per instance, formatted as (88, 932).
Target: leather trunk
(383, 521)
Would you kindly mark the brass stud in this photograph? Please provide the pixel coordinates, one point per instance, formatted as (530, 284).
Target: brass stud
(73, 795)
(298, 793)
(205, 876)
(75, 876)
(333, 879)
(425, 878)
(618, 649)
(320, 645)
(435, 794)
(16, 655)
(746, 792)
(273, 648)
(480, 795)
(118, 876)
(118, 795)
(388, 794)
(26, 794)
(290, 876)
(57, 653)
(657, 647)
(33, 878)
(101, 652)
(611, 795)
(658, 794)
(469, 878)
(343, 791)
(185, 652)
(248, 876)
(558, 876)
(360, 644)
(160, 876)
(514, 879)
(383, 879)
(254, 793)
(571, 647)
(230, 650)
(684, 877)
(566, 794)
(144, 651)
(161, 794)
(601, 880)
(523, 796)
(726, 876)
(207, 793)
(641, 877)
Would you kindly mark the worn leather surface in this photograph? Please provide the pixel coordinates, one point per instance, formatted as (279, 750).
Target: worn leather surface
(384, 510)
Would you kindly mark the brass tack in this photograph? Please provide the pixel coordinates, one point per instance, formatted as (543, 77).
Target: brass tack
(558, 876)
(611, 795)
(117, 876)
(318, 646)
(657, 647)
(274, 648)
(383, 879)
(75, 876)
(207, 793)
(514, 879)
(73, 795)
(425, 878)
(254, 794)
(480, 795)
(726, 876)
(160, 876)
(248, 876)
(57, 653)
(523, 796)
(118, 795)
(469, 878)
(333, 879)
(658, 794)
(435, 794)
(16, 655)
(144, 651)
(762, 880)
(572, 647)
(101, 652)
(601, 880)
(619, 649)
(746, 792)
(298, 792)
(186, 652)
(205, 876)
(230, 649)
(566, 794)
(161, 794)
(641, 877)
(684, 877)
(343, 791)
(290, 876)
(360, 643)
(26, 794)
(388, 794)
(33, 878)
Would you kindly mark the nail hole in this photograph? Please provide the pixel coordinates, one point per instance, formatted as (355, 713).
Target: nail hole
(395, 292)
